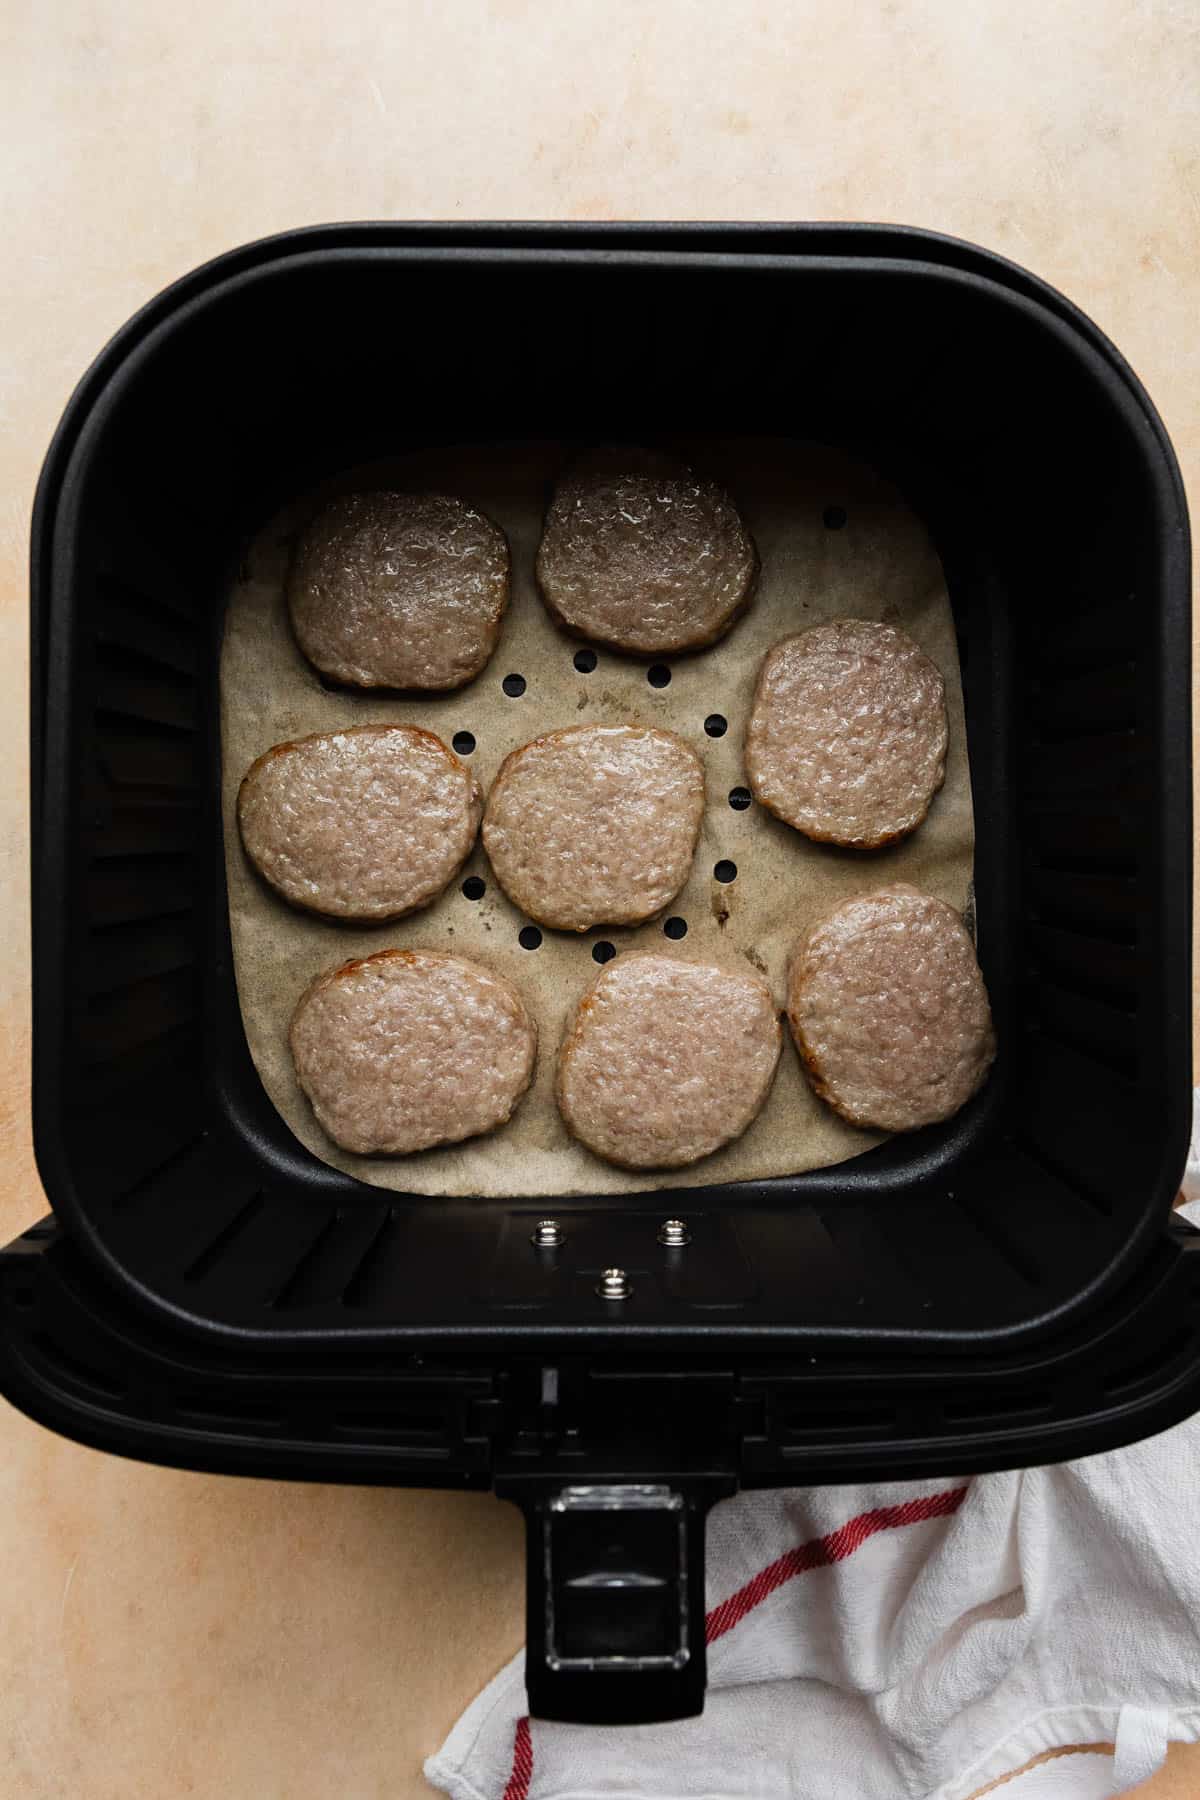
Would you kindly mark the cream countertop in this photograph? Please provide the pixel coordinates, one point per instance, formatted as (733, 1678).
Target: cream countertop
(169, 1633)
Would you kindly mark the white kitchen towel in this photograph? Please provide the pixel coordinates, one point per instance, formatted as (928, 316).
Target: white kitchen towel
(907, 1642)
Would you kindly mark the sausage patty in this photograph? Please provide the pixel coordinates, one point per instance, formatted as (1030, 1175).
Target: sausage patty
(596, 824)
(638, 552)
(409, 1048)
(362, 824)
(889, 1011)
(665, 1061)
(847, 734)
(399, 590)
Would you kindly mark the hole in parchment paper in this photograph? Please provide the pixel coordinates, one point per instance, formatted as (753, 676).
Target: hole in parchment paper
(463, 743)
(658, 675)
(474, 887)
(740, 798)
(834, 517)
(514, 686)
(716, 725)
(585, 661)
(676, 928)
(603, 951)
(725, 871)
(529, 937)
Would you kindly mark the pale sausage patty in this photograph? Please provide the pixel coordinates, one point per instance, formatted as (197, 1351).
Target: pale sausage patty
(399, 590)
(409, 1049)
(665, 1061)
(595, 825)
(847, 734)
(640, 553)
(368, 823)
(889, 1011)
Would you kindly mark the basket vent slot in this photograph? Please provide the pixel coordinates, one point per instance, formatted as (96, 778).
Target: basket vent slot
(134, 687)
(142, 1012)
(153, 1178)
(155, 762)
(360, 1289)
(1119, 1059)
(1081, 987)
(1015, 1256)
(121, 893)
(299, 1284)
(1063, 1177)
(134, 951)
(152, 635)
(209, 1257)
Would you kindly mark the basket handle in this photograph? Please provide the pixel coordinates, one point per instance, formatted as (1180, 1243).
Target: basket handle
(614, 1600)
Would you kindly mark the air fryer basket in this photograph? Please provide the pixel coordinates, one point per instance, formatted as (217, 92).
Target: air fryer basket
(976, 1294)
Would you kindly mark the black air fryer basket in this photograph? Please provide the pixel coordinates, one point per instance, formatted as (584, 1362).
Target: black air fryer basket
(1008, 1288)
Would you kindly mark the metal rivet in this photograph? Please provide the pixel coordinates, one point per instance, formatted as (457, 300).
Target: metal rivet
(674, 1233)
(614, 1284)
(547, 1234)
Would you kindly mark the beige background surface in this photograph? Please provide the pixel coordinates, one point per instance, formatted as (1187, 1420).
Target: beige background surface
(166, 1634)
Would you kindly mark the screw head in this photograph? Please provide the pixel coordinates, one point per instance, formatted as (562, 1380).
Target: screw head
(674, 1233)
(547, 1234)
(614, 1284)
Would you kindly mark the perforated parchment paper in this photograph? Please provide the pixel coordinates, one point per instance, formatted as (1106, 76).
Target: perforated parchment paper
(835, 541)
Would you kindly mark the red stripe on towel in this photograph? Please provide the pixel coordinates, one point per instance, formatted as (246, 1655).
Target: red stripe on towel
(522, 1764)
(821, 1552)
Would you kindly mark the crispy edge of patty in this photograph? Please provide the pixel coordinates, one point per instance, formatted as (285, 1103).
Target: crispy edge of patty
(341, 971)
(578, 1018)
(808, 1060)
(474, 816)
(647, 463)
(874, 841)
(566, 731)
(352, 682)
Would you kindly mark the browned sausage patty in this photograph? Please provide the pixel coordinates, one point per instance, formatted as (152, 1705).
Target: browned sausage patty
(889, 1011)
(640, 553)
(399, 590)
(362, 824)
(595, 824)
(408, 1049)
(665, 1061)
(847, 734)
